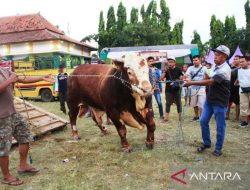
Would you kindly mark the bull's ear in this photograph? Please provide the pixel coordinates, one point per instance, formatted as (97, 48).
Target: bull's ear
(118, 63)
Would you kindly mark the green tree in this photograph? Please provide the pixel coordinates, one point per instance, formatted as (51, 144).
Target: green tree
(121, 24)
(216, 32)
(134, 16)
(206, 47)
(101, 38)
(101, 26)
(111, 29)
(176, 34)
(142, 11)
(247, 13)
(151, 29)
(154, 15)
(121, 17)
(197, 40)
(111, 21)
(230, 32)
(164, 22)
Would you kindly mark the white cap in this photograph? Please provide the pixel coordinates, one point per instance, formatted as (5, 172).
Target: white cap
(171, 58)
(222, 49)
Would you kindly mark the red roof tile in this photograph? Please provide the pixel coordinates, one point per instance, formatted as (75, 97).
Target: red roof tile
(27, 36)
(25, 23)
(33, 27)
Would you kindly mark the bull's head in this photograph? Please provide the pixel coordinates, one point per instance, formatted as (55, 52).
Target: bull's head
(138, 73)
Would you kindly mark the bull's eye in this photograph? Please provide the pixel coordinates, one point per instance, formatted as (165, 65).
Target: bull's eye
(129, 73)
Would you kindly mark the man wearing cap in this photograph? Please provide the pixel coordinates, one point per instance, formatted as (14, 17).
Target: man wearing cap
(216, 101)
(154, 78)
(172, 90)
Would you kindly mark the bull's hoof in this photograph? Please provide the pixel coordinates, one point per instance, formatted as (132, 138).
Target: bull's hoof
(127, 149)
(150, 145)
(76, 138)
(104, 130)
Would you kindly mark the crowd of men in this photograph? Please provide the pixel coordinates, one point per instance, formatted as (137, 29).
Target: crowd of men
(209, 90)
(195, 95)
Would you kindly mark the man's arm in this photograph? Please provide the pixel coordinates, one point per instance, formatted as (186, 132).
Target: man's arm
(206, 82)
(24, 79)
(56, 84)
(9, 81)
(163, 76)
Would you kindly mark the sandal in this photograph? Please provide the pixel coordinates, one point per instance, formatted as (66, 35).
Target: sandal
(202, 148)
(13, 182)
(217, 153)
(31, 171)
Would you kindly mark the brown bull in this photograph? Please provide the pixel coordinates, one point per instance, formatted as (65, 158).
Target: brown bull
(108, 89)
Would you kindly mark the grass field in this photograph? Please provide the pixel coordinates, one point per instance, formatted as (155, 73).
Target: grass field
(97, 162)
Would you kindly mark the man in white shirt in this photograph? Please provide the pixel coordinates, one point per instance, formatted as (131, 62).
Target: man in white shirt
(197, 72)
(244, 82)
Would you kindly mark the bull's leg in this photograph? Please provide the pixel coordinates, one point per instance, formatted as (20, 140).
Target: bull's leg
(74, 109)
(150, 129)
(97, 117)
(109, 122)
(73, 112)
(121, 129)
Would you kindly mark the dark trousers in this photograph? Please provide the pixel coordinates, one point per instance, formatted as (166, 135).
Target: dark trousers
(171, 97)
(62, 99)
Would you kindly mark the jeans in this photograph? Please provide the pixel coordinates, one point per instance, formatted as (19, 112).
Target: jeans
(220, 118)
(157, 95)
(170, 97)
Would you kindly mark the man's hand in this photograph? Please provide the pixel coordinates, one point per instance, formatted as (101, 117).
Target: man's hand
(236, 83)
(49, 78)
(186, 83)
(13, 78)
